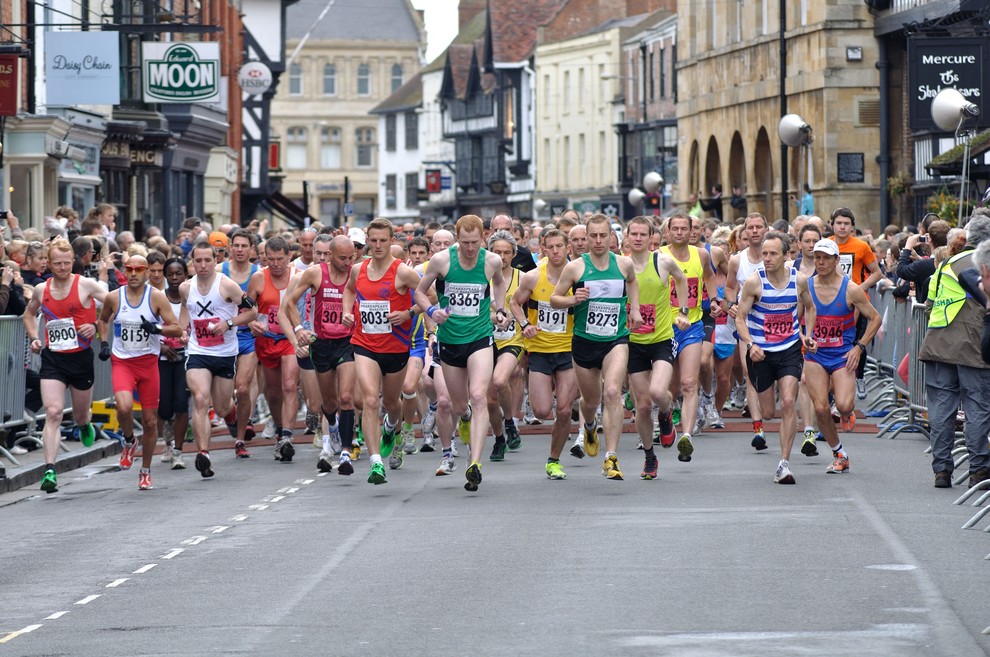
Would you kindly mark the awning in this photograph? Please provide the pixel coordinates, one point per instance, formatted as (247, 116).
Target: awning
(950, 163)
(288, 209)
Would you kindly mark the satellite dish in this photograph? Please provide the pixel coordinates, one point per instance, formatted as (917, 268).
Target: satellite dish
(794, 131)
(950, 108)
(539, 205)
(636, 196)
(652, 182)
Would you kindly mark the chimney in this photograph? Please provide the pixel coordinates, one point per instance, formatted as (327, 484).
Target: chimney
(468, 9)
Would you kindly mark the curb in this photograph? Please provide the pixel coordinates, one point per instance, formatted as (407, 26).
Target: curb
(66, 462)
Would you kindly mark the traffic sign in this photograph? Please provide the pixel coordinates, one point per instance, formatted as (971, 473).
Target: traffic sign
(348, 209)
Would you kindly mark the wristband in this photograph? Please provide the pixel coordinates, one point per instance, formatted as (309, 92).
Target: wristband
(297, 328)
(432, 309)
(860, 345)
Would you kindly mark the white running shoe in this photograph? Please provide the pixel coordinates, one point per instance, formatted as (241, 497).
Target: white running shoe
(177, 463)
(167, 452)
(429, 422)
(334, 436)
(446, 466)
(409, 441)
(783, 474)
(453, 446)
(269, 432)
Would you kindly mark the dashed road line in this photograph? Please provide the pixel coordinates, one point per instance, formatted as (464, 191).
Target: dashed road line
(56, 615)
(304, 482)
(258, 507)
(195, 540)
(287, 490)
(274, 498)
(117, 582)
(14, 635)
(143, 569)
(88, 599)
(219, 529)
(171, 554)
(239, 518)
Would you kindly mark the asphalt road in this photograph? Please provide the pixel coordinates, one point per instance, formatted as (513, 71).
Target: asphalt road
(712, 559)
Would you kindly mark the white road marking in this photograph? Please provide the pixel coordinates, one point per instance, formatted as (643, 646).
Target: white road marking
(13, 635)
(219, 529)
(304, 482)
(88, 599)
(117, 582)
(323, 474)
(195, 540)
(239, 518)
(143, 569)
(171, 554)
(274, 498)
(891, 566)
(56, 615)
(287, 490)
(258, 507)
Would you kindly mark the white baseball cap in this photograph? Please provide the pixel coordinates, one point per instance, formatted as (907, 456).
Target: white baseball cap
(357, 235)
(827, 247)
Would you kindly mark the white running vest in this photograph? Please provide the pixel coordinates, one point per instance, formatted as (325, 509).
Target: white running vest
(129, 339)
(205, 311)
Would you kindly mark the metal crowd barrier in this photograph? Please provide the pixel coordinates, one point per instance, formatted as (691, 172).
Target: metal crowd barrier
(917, 408)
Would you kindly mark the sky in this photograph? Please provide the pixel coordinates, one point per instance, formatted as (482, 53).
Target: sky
(441, 24)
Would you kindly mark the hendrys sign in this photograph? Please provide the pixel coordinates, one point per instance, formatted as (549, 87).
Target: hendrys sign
(181, 72)
(82, 68)
(943, 63)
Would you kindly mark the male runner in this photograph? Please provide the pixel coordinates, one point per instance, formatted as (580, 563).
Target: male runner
(602, 285)
(328, 344)
(468, 277)
(68, 302)
(135, 311)
(808, 236)
(307, 375)
(383, 323)
(212, 304)
(708, 414)
(651, 348)
(768, 326)
(240, 269)
(833, 364)
(412, 402)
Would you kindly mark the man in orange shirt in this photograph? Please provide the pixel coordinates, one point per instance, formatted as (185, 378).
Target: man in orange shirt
(856, 258)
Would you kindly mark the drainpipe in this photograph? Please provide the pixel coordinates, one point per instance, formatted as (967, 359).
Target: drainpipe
(883, 159)
(783, 109)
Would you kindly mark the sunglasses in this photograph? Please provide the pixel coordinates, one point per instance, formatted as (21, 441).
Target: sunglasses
(135, 269)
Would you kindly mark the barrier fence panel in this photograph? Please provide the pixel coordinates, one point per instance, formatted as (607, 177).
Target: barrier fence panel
(917, 399)
(12, 369)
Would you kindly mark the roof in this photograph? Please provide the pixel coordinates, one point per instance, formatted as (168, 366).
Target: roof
(950, 162)
(514, 26)
(360, 20)
(469, 34)
(408, 96)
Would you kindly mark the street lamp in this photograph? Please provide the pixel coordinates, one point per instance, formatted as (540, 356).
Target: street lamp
(950, 110)
(794, 132)
(650, 187)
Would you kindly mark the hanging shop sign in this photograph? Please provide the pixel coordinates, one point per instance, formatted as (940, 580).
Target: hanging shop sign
(181, 72)
(82, 68)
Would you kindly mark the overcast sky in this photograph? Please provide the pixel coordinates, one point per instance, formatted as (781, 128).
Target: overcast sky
(441, 24)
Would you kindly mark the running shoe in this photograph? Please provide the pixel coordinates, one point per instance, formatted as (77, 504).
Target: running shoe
(453, 447)
(387, 443)
(699, 421)
(144, 481)
(685, 448)
(49, 483)
(783, 475)
(839, 466)
(639, 444)
(269, 431)
(429, 422)
(650, 468)
(676, 416)
(344, 466)
(848, 423)
(590, 441)
(204, 465)
(512, 437)
(610, 468)
(860, 388)
(498, 452)
(317, 441)
(577, 450)
(325, 463)
(409, 441)
(177, 463)
(355, 452)
(531, 419)
(759, 441)
(396, 459)
(232, 430)
(377, 474)
(447, 466)
(713, 419)
(241, 451)
(737, 399)
(667, 433)
(284, 450)
(87, 434)
(215, 420)
(808, 447)
(249, 432)
(333, 433)
(428, 443)
(127, 456)
(167, 452)
(836, 417)
(358, 434)
(627, 402)
(464, 430)
(312, 424)
(473, 476)
(554, 471)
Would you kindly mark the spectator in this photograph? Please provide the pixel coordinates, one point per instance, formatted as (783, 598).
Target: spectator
(11, 290)
(955, 372)
(714, 204)
(806, 204)
(67, 218)
(124, 240)
(35, 267)
(738, 202)
(914, 265)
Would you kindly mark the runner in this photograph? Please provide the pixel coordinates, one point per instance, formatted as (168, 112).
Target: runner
(380, 288)
(651, 346)
(602, 285)
(696, 265)
(468, 277)
(833, 364)
(767, 323)
(708, 415)
(808, 237)
(141, 315)
(240, 269)
(68, 302)
(328, 343)
(307, 375)
(412, 402)
(173, 402)
(212, 302)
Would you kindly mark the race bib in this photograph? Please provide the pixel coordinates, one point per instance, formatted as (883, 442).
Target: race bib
(649, 313)
(828, 331)
(603, 319)
(508, 333)
(846, 264)
(132, 336)
(550, 319)
(374, 317)
(692, 300)
(61, 334)
(204, 336)
(272, 317)
(332, 311)
(464, 299)
(777, 327)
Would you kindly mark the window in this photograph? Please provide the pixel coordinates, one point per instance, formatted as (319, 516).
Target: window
(330, 148)
(582, 159)
(390, 182)
(509, 127)
(396, 76)
(663, 72)
(464, 155)
(295, 151)
(581, 88)
(390, 132)
(329, 80)
(295, 80)
(492, 168)
(546, 95)
(653, 88)
(365, 138)
(412, 188)
(364, 80)
(567, 93)
(412, 130)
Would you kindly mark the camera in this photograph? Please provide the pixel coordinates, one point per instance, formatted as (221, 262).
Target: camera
(923, 239)
(4, 214)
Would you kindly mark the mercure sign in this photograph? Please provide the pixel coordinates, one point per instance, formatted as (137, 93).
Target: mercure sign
(181, 72)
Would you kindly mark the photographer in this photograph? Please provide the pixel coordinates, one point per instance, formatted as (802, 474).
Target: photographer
(11, 290)
(85, 250)
(915, 264)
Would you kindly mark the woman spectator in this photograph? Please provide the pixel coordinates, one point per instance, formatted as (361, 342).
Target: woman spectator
(34, 269)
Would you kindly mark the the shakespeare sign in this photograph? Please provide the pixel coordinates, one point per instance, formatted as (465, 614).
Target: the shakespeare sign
(941, 63)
